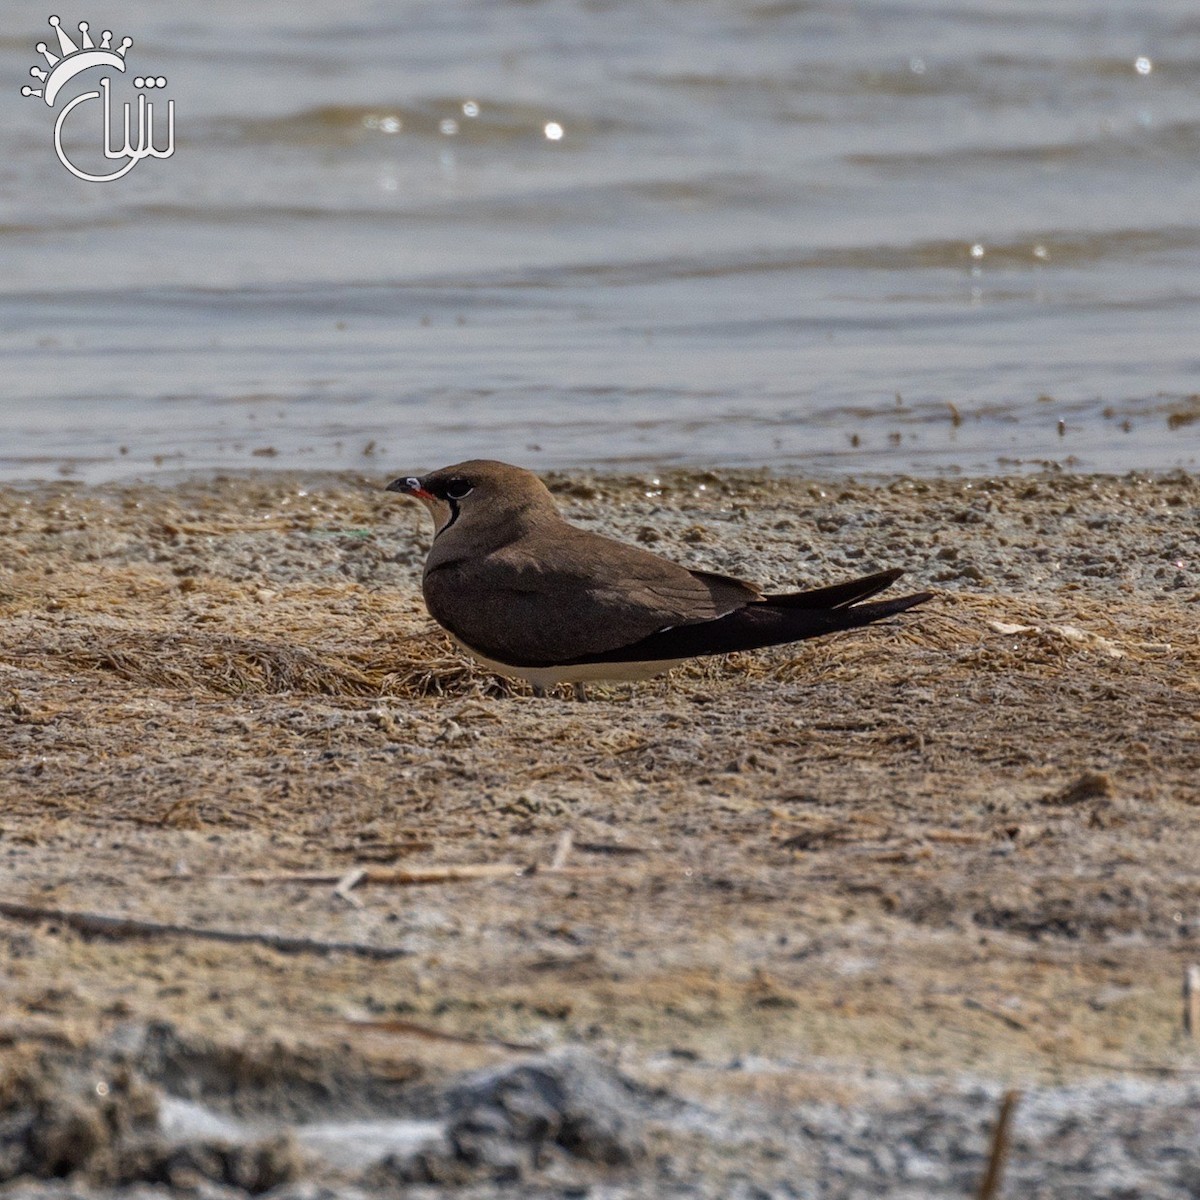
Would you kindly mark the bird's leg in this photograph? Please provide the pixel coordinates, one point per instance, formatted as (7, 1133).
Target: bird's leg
(539, 692)
(580, 691)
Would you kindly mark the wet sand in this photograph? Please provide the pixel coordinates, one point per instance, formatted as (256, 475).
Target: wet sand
(905, 866)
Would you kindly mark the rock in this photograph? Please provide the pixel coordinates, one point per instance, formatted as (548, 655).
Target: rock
(505, 1123)
(571, 1100)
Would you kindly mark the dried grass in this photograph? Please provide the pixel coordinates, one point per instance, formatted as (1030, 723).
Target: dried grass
(221, 664)
(976, 633)
(201, 661)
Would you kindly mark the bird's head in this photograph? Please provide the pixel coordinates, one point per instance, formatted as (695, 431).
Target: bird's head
(487, 497)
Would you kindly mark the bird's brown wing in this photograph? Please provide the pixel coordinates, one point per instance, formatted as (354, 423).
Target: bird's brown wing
(575, 594)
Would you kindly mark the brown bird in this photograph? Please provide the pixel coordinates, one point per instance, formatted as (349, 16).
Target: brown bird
(533, 597)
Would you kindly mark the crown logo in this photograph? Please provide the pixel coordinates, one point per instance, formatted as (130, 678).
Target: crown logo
(76, 55)
(72, 59)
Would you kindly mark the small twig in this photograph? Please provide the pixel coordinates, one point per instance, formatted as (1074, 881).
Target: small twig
(412, 1029)
(562, 851)
(609, 848)
(397, 876)
(956, 837)
(1191, 1000)
(1144, 1067)
(381, 850)
(564, 963)
(978, 1006)
(347, 883)
(989, 1189)
(103, 925)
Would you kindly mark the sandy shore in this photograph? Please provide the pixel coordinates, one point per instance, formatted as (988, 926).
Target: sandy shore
(891, 872)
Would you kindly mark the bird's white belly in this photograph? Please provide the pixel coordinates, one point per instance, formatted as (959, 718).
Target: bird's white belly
(544, 677)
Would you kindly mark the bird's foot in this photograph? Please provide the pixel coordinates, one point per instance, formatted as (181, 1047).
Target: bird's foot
(580, 690)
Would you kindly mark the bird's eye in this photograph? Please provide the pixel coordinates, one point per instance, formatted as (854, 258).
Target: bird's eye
(456, 489)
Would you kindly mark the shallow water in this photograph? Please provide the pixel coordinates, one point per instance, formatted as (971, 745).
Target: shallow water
(824, 236)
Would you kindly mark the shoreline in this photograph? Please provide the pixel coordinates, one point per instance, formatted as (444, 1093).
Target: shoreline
(826, 473)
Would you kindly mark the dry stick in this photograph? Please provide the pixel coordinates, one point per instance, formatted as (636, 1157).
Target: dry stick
(1191, 1000)
(1003, 1017)
(989, 1189)
(346, 885)
(562, 851)
(103, 925)
(413, 1029)
(610, 848)
(399, 877)
(1145, 1067)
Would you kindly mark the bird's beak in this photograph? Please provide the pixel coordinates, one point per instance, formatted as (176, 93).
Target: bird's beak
(410, 485)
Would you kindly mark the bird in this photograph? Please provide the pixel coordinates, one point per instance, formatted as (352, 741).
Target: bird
(533, 597)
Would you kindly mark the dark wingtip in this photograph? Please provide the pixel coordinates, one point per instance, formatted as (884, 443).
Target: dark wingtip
(913, 600)
(838, 595)
(865, 614)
